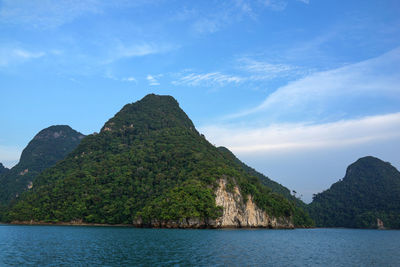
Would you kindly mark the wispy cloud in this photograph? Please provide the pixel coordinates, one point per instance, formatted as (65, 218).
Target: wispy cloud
(49, 14)
(277, 5)
(304, 1)
(138, 50)
(281, 137)
(123, 50)
(45, 14)
(207, 79)
(27, 54)
(222, 14)
(129, 79)
(11, 55)
(153, 79)
(339, 90)
(109, 74)
(262, 70)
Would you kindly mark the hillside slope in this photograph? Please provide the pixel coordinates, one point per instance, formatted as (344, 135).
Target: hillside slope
(368, 195)
(48, 147)
(149, 166)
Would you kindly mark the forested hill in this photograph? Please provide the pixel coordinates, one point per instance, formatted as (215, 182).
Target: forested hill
(49, 146)
(147, 162)
(369, 191)
(3, 169)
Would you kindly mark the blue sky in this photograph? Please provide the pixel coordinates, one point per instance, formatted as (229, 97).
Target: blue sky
(298, 89)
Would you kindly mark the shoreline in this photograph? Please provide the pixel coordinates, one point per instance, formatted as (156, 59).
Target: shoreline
(33, 223)
(65, 224)
(30, 223)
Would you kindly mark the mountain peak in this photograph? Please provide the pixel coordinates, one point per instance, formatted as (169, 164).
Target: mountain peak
(152, 112)
(61, 136)
(368, 167)
(49, 146)
(57, 131)
(369, 192)
(2, 168)
(159, 98)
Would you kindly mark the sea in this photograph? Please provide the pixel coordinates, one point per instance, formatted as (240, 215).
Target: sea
(22, 245)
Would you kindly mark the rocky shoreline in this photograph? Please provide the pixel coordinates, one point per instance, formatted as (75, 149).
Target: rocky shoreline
(185, 224)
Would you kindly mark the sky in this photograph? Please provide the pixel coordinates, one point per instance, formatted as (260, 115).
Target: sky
(297, 89)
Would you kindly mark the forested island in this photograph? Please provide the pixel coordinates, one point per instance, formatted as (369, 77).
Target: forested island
(149, 167)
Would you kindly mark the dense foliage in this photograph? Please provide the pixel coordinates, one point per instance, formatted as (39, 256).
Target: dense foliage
(47, 148)
(189, 200)
(148, 161)
(3, 169)
(369, 191)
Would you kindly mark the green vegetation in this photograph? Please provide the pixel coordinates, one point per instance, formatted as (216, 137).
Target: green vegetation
(190, 200)
(3, 169)
(147, 161)
(47, 148)
(370, 190)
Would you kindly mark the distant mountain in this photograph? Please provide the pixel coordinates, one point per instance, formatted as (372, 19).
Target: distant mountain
(367, 197)
(149, 166)
(47, 148)
(3, 169)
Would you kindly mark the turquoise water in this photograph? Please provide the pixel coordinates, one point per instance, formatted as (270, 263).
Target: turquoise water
(124, 246)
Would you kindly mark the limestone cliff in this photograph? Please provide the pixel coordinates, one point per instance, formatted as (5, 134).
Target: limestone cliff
(236, 214)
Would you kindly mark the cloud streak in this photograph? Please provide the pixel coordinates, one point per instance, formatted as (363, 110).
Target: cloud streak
(10, 55)
(262, 70)
(323, 93)
(299, 136)
(45, 14)
(153, 79)
(123, 50)
(48, 14)
(207, 79)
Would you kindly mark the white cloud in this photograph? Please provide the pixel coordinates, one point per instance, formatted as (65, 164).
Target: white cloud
(224, 13)
(45, 13)
(121, 50)
(304, 1)
(262, 70)
(300, 136)
(12, 55)
(137, 50)
(153, 79)
(129, 79)
(110, 75)
(48, 14)
(340, 90)
(277, 5)
(207, 79)
(27, 55)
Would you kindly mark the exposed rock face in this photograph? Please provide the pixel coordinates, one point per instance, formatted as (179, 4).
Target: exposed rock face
(236, 214)
(380, 224)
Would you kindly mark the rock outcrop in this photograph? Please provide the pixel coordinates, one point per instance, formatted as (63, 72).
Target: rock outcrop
(379, 224)
(236, 214)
